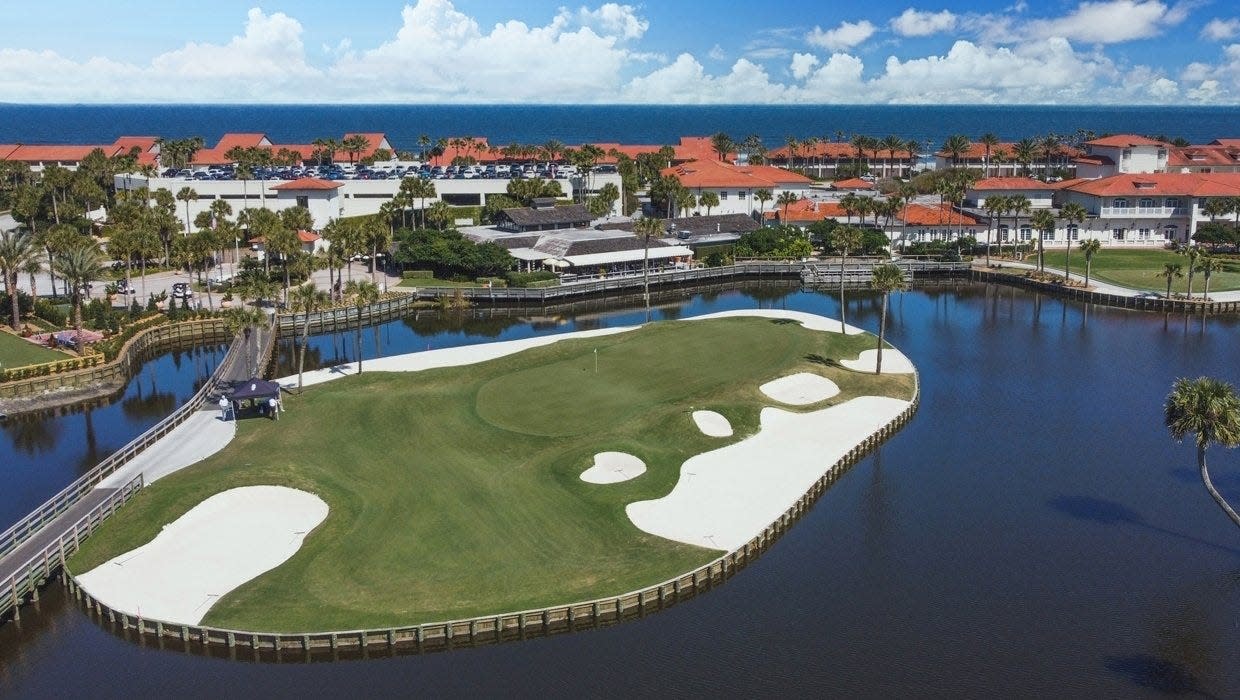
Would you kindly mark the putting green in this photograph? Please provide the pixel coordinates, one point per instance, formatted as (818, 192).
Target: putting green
(455, 492)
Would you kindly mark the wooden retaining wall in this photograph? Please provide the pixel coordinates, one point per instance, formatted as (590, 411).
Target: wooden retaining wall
(1104, 299)
(136, 350)
(487, 629)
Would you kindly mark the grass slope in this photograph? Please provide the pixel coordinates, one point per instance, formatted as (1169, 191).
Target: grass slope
(17, 352)
(1137, 269)
(456, 492)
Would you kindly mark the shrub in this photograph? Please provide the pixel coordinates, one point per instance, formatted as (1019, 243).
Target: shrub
(50, 312)
(417, 274)
(528, 279)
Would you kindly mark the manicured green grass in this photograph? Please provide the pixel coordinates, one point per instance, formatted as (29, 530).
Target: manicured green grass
(18, 352)
(1137, 269)
(423, 282)
(456, 492)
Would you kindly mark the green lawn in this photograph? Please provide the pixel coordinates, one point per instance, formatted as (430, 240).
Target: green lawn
(17, 352)
(1137, 268)
(456, 492)
(423, 282)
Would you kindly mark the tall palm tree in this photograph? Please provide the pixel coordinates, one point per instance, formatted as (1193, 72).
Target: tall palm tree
(1020, 204)
(1209, 409)
(709, 200)
(1049, 145)
(647, 228)
(786, 199)
(187, 194)
(847, 239)
(307, 299)
(16, 249)
(886, 279)
(956, 146)
(34, 266)
(1044, 222)
(1089, 248)
(1073, 213)
(1172, 271)
(891, 144)
(1207, 266)
(363, 292)
(1191, 252)
(763, 196)
(989, 141)
(993, 206)
(1024, 151)
(80, 266)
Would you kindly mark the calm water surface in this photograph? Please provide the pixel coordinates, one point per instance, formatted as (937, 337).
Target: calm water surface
(1032, 532)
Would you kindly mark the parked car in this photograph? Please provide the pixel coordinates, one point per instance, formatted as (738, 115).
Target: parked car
(124, 287)
(181, 290)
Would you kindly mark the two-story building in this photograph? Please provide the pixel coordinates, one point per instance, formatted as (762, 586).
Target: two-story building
(737, 185)
(1122, 153)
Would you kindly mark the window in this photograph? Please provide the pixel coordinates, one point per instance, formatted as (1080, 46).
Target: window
(1127, 153)
(1003, 232)
(1026, 233)
(1074, 232)
(1120, 203)
(1173, 202)
(1117, 234)
(723, 196)
(1162, 154)
(1145, 203)
(1171, 232)
(303, 201)
(1049, 235)
(1143, 234)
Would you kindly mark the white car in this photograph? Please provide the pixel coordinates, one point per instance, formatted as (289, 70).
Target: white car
(221, 278)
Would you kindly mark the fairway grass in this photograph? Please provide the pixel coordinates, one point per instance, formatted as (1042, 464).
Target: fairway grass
(456, 492)
(18, 352)
(1138, 269)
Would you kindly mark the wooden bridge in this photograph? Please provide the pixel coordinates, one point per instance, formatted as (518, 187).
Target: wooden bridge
(35, 547)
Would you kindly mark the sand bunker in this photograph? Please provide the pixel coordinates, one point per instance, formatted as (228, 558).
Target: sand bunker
(811, 322)
(800, 389)
(894, 362)
(218, 545)
(712, 424)
(727, 496)
(613, 467)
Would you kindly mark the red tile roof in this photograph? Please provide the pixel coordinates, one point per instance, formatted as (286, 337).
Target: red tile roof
(934, 215)
(1181, 184)
(6, 149)
(49, 153)
(1204, 155)
(1125, 141)
(374, 141)
(715, 173)
(308, 236)
(308, 183)
(1091, 159)
(1226, 142)
(808, 211)
(831, 150)
(1009, 183)
(697, 148)
(852, 183)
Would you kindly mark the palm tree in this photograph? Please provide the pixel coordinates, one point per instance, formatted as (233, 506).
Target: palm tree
(423, 190)
(709, 200)
(792, 143)
(1171, 271)
(1019, 204)
(1209, 409)
(1050, 148)
(993, 206)
(1044, 222)
(847, 239)
(956, 146)
(306, 299)
(647, 228)
(80, 266)
(786, 199)
(1191, 252)
(886, 279)
(1089, 248)
(1073, 213)
(187, 194)
(1207, 266)
(988, 140)
(1025, 151)
(763, 196)
(364, 292)
(16, 250)
(34, 266)
(891, 144)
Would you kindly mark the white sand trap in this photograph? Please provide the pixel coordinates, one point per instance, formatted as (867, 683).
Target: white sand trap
(800, 389)
(444, 357)
(613, 467)
(218, 545)
(727, 496)
(811, 322)
(894, 362)
(712, 424)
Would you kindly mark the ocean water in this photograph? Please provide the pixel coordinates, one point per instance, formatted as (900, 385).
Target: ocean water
(657, 124)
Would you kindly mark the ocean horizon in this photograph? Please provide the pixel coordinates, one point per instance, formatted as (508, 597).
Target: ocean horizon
(623, 123)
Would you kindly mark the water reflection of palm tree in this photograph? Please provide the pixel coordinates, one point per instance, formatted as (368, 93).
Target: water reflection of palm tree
(33, 433)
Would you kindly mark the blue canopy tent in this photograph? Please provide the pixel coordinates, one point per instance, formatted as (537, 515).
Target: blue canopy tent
(256, 396)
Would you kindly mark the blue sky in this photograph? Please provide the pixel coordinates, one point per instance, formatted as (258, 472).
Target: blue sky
(790, 51)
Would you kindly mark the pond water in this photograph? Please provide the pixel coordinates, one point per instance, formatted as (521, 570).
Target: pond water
(1032, 532)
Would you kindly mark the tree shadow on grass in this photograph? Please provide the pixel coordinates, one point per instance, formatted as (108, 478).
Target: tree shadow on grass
(1157, 674)
(1102, 511)
(822, 360)
(785, 322)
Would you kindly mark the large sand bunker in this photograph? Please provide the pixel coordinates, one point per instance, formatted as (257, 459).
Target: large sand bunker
(613, 467)
(712, 424)
(894, 362)
(800, 389)
(218, 545)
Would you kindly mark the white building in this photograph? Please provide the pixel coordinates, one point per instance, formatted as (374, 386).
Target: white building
(736, 185)
(1039, 194)
(1124, 153)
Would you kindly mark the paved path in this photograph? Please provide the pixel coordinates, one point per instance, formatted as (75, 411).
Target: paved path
(200, 436)
(1107, 288)
(13, 562)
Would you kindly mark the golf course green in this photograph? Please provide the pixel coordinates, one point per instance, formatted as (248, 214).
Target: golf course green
(456, 492)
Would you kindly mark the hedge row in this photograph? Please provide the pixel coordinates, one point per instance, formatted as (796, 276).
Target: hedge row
(47, 368)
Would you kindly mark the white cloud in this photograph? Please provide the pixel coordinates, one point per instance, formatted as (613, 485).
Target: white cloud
(717, 53)
(1110, 21)
(617, 20)
(802, 64)
(843, 37)
(1207, 91)
(1164, 89)
(1221, 29)
(913, 22)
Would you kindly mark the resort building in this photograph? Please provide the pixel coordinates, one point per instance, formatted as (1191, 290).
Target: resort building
(1218, 156)
(1124, 153)
(37, 157)
(217, 155)
(825, 159)
(1007, 159)
(585, 252)
(1039, 194)
(736, 185)
(544, 215)
(698, 231)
